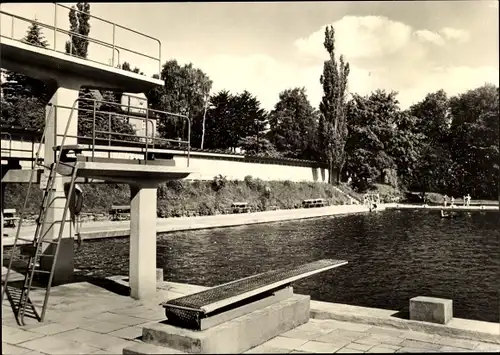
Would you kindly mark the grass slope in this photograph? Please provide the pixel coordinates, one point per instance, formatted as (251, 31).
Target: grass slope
(181, 197)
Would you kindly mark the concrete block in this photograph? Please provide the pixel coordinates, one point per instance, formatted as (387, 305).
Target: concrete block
(236, 335)
(431, 309)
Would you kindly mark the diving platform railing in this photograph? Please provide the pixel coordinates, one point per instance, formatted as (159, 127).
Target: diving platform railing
(103, 124)
(114, 61)
(11, 154)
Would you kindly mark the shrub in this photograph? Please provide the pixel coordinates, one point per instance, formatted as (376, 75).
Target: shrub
(204, 209)
(175, 185)
(218, 183)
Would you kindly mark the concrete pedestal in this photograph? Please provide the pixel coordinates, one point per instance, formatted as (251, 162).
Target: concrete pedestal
(431, 309)
(2, 206)
(142, 269)
(56, 121)
(232, 337)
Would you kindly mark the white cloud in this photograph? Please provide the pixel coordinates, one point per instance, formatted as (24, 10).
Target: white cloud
(429, 36)
(383, 54)
(359, 37)
(455, 34)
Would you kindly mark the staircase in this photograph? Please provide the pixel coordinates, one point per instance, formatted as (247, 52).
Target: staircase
(353, 200)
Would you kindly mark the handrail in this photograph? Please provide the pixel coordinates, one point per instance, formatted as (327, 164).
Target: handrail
(10, 144)
(147, 138)
(112, 45)
(114, 27)
(71, 33)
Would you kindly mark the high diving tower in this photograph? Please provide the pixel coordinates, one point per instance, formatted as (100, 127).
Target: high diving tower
(66, 159)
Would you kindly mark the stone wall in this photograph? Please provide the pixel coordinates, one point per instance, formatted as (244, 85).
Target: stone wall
(208, 165)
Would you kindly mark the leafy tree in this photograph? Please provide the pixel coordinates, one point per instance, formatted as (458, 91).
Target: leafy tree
(24, 98)
(220, 121)
(293, 124)
(79, 24)
(183, 93)
(233, 118)
(372, 126)
(405, 147)
(433, 116)
(249, 118)
(258, 147)
(433, 172)
(474, 141)
(332, 132)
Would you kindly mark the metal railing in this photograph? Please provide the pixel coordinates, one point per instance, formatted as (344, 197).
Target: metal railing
(103, 122)
(55, 29)
(6, 152)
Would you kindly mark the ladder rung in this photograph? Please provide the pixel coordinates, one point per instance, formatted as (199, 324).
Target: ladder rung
(49, 241)
(42, 271)
(26, 239)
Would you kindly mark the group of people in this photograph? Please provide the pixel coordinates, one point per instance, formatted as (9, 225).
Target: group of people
(372, 201)
(466, 200)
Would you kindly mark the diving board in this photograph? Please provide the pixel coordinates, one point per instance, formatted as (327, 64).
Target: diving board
(194, 311)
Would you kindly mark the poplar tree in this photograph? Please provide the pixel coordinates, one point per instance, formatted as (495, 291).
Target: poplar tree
(332, 132)
(79, 24)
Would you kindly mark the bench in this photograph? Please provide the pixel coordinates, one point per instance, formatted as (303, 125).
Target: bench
(9, 217)
(119, 212)
(315, 202)
(240, 207)
(205, 309)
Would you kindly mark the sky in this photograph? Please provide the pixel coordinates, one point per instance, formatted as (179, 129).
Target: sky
(412, 47)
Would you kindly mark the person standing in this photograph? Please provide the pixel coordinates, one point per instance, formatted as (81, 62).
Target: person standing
(452, 200)
(468, 199)
(445, 200)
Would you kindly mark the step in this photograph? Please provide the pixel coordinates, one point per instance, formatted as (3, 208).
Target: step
(145, 348)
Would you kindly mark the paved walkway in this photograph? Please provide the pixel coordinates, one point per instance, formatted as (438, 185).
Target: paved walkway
(92, 318)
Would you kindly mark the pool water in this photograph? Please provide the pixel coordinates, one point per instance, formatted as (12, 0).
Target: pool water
(393, 256)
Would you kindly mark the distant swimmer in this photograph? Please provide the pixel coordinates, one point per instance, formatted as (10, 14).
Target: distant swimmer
(447, 215)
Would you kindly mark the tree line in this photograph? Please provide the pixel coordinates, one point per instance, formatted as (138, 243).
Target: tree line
(442, 144)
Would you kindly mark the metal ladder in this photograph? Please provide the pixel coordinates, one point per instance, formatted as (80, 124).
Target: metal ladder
(34, 251)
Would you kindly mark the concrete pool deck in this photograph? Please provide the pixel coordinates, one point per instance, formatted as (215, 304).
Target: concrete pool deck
(94, 317)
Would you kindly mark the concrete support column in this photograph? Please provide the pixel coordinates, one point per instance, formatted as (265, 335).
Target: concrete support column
(2, 196)
(142, 268)
(56, 120)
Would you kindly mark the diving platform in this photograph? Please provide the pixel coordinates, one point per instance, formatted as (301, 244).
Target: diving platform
(124, 170)
(46, 65)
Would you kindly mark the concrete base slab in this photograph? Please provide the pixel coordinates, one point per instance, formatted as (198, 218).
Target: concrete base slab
(236, 335)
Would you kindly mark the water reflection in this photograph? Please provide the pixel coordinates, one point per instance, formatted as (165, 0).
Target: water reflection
(392, 256)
